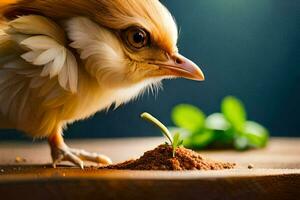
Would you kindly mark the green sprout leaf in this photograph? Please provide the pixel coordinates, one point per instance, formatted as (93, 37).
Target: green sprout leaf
(234, 111)
(185, 135)
(189, 117)
(183, 132)
(158, 124)
(175, 141)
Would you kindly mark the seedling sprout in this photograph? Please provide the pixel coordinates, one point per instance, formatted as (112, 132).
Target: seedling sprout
(175, 141)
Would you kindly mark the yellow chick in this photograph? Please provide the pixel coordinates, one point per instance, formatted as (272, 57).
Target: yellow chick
(63, 61)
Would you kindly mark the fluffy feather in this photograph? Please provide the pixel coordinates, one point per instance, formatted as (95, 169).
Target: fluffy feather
(23, 89)
(45, 40)
(101, 52)
(62, 61)
(43, 64)
(116, 15)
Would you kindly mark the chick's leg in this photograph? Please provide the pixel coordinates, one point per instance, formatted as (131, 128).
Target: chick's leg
(61, 152)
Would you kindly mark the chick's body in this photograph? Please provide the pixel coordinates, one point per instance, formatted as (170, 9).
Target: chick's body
(62, 61)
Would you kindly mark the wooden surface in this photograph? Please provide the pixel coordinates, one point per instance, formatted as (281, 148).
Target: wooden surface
(276, 174)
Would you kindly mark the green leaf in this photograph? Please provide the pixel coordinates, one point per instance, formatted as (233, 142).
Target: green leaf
(241, 143)
(188, 142)
(188, 117)
(158, 124)
(176, 142)
(183, 132)
(217, 121)
(202, 139)
(256, 134)
(185, 135)
(180, 143)
(224, 139)
(176, 139)
(234, 111)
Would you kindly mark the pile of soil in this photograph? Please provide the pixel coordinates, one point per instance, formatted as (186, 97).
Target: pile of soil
(161, 159)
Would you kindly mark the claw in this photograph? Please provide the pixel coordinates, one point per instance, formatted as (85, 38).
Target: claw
(74, 159)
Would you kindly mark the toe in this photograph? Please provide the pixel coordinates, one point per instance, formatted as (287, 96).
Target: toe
(77, 157)
(104, 159)
(64, 154)
(92, 157)
(56, 161)
(74, 159)
(98, 158)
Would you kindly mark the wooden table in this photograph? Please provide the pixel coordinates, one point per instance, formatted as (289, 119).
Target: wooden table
(276, 173)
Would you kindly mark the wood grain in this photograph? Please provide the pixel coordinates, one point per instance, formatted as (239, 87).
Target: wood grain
(276, 174)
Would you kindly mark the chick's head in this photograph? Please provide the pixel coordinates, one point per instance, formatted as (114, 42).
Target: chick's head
(120, 42)
(145, 35)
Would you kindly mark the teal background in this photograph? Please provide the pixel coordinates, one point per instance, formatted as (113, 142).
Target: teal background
(247, 48)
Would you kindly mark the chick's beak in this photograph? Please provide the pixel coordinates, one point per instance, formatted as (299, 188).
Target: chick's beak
(179, 66)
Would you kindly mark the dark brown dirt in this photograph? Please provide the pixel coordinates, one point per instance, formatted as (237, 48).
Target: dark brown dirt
(161, 159)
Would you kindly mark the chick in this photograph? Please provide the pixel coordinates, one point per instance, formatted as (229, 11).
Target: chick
(63, 61)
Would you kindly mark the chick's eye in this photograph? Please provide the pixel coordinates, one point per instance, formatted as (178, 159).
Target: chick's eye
(137, 37)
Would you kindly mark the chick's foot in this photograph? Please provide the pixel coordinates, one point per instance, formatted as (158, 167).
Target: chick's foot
(61, 152)
(77, 156)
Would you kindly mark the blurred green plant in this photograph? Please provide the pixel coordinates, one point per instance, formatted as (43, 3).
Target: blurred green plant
(228, 129)
(175, 141)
